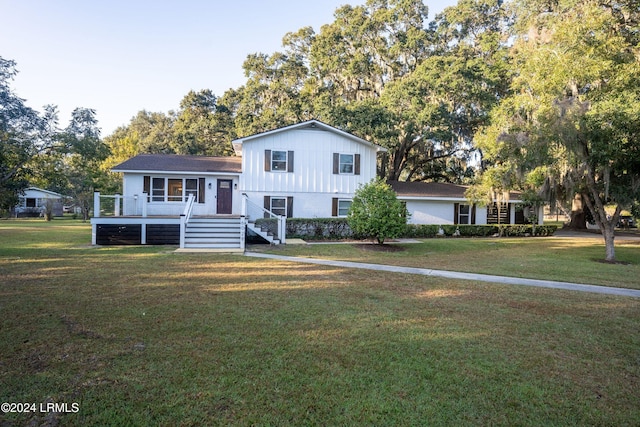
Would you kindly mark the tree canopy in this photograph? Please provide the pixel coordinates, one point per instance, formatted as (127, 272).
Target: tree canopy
(379, 70)
(532, 95)
(572, 121)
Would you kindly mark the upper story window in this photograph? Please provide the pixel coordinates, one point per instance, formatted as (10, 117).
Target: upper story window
(278, 161)
(346, 164)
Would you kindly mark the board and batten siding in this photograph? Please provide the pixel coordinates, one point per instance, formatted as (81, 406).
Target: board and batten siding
(313, 163)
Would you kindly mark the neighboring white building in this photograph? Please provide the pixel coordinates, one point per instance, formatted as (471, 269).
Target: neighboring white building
(442, 203)
(33, 202)
(307, 170)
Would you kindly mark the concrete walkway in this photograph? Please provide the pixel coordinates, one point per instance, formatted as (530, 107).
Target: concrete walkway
(457, 275)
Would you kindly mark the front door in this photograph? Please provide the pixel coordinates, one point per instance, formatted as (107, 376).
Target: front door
(224, 196)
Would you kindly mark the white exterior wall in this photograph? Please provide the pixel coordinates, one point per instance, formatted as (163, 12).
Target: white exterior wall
(439, 211)
(305, 205)
(312, 184)
(133, 185)
(481, 215)
(430, 212)
(313, 163)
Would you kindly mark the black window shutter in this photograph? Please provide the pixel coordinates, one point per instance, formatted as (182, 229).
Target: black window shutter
(473, 214)
(334, 206)
(356, 166)
(289, 207)
(456, 211)
(146, 186)
(336, 163)
(201, 190)
(267, 160)
(267, 205)
(290, 161)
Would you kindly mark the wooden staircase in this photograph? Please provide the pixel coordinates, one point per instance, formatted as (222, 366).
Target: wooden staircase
(214, 233)
(263, 231)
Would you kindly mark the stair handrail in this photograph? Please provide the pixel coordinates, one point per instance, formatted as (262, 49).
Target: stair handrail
(184, 219)
(279, 232)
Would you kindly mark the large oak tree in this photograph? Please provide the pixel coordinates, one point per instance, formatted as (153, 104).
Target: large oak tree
(572, 123)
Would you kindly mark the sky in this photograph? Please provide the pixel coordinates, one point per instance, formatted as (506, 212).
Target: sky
(123, 56)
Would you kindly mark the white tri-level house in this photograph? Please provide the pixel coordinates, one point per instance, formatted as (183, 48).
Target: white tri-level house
(307, 170)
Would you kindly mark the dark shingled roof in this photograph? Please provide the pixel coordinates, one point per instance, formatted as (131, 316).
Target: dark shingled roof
(435, 189)
(428, 189)
(179, 163)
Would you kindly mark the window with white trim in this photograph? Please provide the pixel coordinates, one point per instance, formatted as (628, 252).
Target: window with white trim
(175, 189)
(464, 214)
(343, 207)
(279, 206)
(157, 190)
(191, 187)
(345, 165)
(278, 160)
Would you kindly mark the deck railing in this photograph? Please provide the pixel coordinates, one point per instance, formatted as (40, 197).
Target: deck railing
(256, 214)
(118, 205)
(184, 219)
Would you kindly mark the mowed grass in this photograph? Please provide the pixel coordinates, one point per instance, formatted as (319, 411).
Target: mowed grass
(143, 336)
(569, 259)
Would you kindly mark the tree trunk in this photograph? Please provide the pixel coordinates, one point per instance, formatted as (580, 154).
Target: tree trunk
(609, 236)
(606, 224)
(578, 216)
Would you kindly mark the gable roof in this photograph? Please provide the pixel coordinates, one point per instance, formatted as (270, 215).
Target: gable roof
(180, 163)
(435, 190)
(310, 124)
(46, 193)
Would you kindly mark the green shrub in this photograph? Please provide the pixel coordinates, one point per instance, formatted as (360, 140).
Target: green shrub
(339, 229)
(376, 212)
(421, 230)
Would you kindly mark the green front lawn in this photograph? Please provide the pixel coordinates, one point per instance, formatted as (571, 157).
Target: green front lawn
(567, 259)
(144, 336)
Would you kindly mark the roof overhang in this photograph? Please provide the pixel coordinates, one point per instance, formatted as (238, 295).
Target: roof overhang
(310, 124)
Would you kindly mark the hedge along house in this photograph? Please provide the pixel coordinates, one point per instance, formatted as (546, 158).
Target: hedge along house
(305, 170)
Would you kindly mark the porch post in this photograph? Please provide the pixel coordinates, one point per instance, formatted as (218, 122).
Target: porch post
(282, 229)
(145, 199)
(243, 210)
(243, 227)
(96, 204)
(183, 228)
(116, 205)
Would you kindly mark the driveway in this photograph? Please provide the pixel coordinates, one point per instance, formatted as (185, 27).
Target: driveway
(595, 234)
